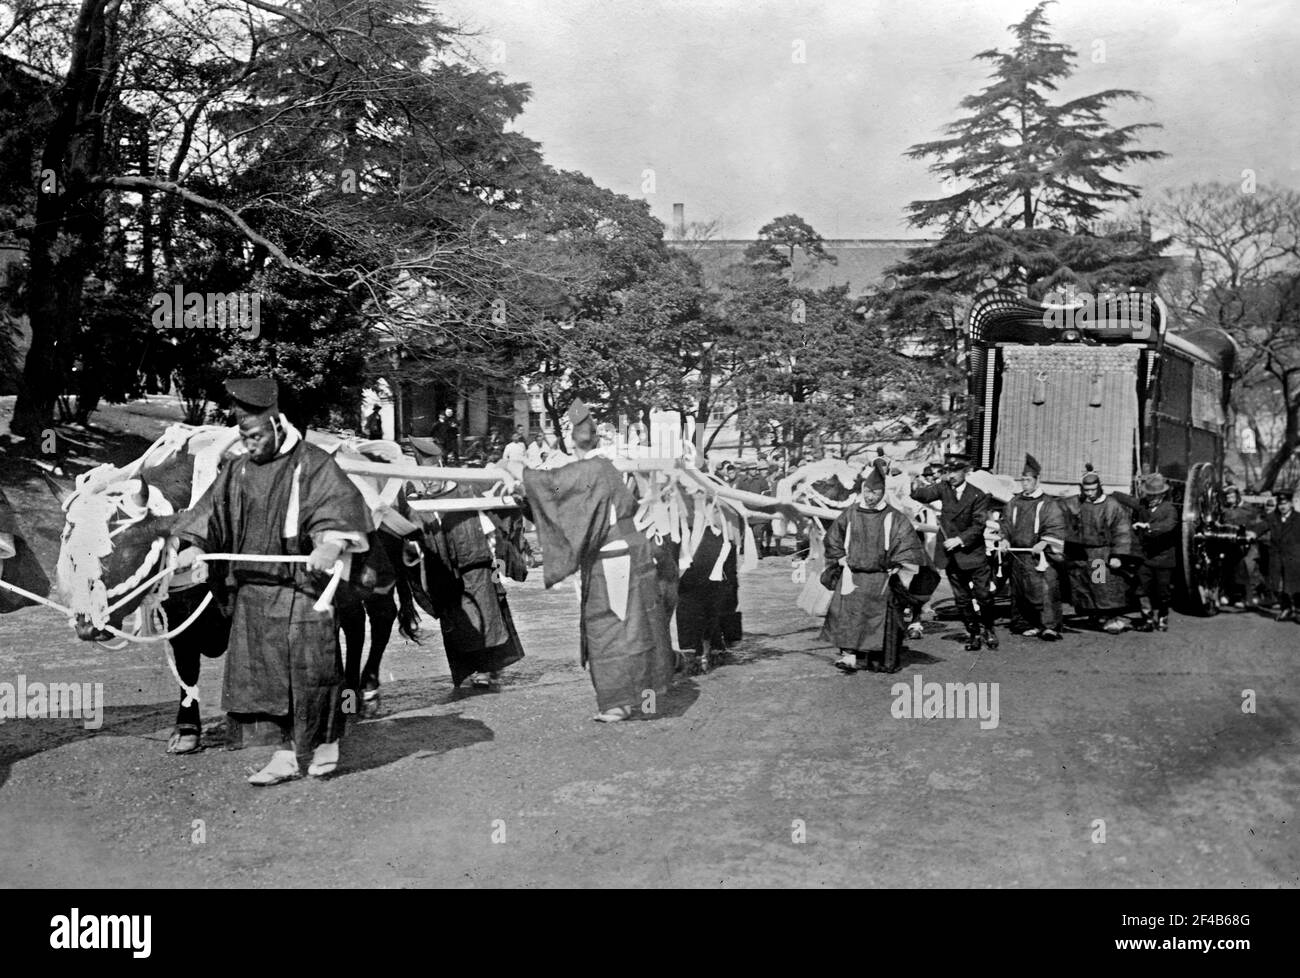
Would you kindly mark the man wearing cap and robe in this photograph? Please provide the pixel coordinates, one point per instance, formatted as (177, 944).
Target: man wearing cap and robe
(1282, 531)
(283, 496)
(584, 517)
(1157, 524)
(959, 551)
(1101, 539)
(873, 557)
(464, 564)
(1034, 521)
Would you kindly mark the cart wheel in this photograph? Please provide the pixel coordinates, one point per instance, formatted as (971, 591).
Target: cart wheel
(1200, 570)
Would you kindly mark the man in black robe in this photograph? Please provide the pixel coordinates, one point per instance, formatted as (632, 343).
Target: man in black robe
(709, 590)
(1100, 543)
(283, 497)
(465, 565)
(873, 556)
(1034, 521)
(584, 516)
(959, 551)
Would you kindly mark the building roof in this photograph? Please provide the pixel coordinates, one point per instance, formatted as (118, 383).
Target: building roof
(860, 262)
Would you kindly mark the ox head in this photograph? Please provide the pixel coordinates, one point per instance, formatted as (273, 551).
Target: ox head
(114, 538)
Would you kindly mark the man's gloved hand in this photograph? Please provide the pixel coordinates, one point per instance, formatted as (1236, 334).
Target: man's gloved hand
(1039, 547)
(323, 557)
(952, 543)
(1115, 563)
(1004, 544)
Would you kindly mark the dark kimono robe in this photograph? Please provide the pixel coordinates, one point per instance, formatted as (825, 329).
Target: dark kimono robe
(478, 632)
(584, 517)
(282, 661)
(1098, 531)
(705, 605)
(871, 616)
(1035, 594)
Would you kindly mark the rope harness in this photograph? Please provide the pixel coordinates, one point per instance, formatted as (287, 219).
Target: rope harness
(152, 614)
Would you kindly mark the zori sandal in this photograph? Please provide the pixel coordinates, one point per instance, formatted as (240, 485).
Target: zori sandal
(184, 739)
(283, 767)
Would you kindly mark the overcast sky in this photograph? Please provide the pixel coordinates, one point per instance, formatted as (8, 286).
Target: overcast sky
(708, 95)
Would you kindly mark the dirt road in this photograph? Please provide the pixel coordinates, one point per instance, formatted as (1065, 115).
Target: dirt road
(775, 769)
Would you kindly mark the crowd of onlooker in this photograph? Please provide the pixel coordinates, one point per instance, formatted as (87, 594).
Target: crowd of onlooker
(1264, 571)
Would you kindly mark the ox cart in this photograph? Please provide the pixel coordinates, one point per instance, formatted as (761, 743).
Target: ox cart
(1105, 382)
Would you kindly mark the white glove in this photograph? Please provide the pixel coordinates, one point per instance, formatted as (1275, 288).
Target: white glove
(323, 557)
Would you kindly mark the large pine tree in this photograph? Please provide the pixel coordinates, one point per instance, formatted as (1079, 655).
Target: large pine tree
(1035, 179)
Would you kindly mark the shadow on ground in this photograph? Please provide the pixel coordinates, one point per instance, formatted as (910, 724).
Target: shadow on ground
(375, 743)
(20, 739)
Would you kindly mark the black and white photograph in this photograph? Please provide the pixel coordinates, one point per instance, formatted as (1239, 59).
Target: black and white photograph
(586, 444)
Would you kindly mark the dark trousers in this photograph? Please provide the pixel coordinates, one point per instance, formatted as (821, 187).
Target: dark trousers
(1035, 595)
(1155, 588)
(968, 587)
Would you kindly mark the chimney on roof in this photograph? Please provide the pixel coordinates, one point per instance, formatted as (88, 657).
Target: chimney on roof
(679, 221)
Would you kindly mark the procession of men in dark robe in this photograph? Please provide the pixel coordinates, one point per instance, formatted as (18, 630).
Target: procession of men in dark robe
(1108, 555)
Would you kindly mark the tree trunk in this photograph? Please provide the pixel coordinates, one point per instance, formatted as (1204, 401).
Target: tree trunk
(702, 411)
(57, 268)
(718, 430)
(552, 412)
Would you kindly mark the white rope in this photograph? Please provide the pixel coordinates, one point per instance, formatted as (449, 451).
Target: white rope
(327, 596)
(322, 603)
(132, 583)
(191, 692)
(37, 598)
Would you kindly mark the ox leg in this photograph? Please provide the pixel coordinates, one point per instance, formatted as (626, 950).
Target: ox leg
(352, 623)
(188, 649)
(187, 665)
(381, 609)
